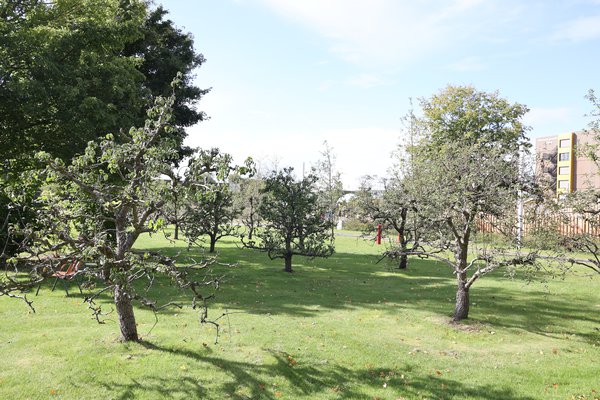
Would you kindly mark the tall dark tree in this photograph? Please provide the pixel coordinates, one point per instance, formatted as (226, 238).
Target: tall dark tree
(73, 70)
(165, 51)
(63, 77)
(294, 224)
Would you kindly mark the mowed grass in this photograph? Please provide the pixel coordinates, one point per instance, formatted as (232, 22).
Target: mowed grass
(341, 328)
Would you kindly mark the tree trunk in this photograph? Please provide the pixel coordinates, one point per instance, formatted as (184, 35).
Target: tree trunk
(176, 236)
(288, 263)
(125, 313)
(461, 309)
(213, 241)
(403, 261)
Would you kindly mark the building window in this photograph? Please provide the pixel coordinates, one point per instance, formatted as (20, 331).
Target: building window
(563, 171)
(563, 157)
(563, 185)
(565, 143)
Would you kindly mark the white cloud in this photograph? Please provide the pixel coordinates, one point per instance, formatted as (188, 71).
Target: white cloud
(360, 151)
(578, 30)
(391, 32)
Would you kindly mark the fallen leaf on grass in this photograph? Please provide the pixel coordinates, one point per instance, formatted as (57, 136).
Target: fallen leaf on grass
(278, 394)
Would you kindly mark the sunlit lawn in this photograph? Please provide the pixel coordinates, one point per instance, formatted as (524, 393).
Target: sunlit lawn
(344, 327)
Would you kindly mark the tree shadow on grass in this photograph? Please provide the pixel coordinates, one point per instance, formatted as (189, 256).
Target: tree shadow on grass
(349, 281)
(248, 380)
(156, 387)
(536, 312)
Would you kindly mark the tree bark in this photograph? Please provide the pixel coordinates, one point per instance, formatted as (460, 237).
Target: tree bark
(288, 263)
(213, 242)
(403, 261)
(176, 236)
(461, 309)
(126, 315)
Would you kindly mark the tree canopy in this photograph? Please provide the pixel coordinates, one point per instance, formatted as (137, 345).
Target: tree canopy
(465, 165)
(72, 71)
(294, 223)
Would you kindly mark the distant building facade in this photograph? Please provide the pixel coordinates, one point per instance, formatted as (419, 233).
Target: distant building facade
(560, 164)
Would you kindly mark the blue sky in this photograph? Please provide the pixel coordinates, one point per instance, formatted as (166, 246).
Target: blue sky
(290, 74)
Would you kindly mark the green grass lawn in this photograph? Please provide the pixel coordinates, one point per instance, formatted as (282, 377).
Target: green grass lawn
(341, 328)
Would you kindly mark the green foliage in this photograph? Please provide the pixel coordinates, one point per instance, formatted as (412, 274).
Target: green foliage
(294, 222)
(165, 51)
(356, 224)
(73, 70)
(544, 238)
(94, 210)
(18, 191)
(394, 209)
(472, 118)
(63, 79)
(208, 197)
(584, 204)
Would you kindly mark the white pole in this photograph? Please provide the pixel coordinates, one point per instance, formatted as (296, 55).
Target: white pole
(520, 202)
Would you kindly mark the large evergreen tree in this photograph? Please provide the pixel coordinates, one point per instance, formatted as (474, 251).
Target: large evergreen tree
(73, 70)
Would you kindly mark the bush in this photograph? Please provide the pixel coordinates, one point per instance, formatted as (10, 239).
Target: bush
(543, 239)
(355, 224)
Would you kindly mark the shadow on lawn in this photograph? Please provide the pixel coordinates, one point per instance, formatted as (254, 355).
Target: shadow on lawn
(156, 387)
(247, 380)
(350, 281)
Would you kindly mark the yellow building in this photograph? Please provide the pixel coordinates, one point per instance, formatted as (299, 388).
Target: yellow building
(559, 161)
